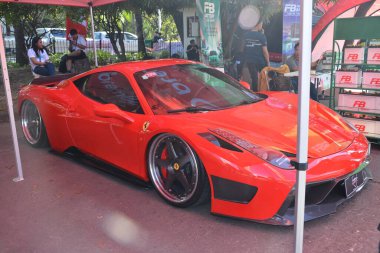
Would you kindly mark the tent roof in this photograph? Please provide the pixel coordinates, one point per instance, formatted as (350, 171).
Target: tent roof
(76, 3)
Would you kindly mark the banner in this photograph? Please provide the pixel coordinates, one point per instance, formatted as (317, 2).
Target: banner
(291, 26)
(208, 12)
(80, 26)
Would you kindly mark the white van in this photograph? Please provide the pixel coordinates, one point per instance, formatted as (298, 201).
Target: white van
(103, 42)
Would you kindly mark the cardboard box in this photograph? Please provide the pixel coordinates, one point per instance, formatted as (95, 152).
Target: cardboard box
(347, 79)
(371, 80)
(354, 55)
(365, 126)
(373, 55)
(359, 103)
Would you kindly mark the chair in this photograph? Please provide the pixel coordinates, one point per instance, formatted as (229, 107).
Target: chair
(277, 82)
(81, 65)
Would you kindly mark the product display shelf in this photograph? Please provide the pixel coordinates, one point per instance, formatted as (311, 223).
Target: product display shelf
(355, 77)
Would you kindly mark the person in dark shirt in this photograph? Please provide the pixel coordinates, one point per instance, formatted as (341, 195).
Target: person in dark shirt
(156, 37)
(192, 51)
(256, 55)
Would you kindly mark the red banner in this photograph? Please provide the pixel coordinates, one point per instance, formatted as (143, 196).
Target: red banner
(80, 27)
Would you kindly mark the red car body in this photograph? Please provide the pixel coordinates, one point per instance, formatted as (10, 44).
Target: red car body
(336, 150)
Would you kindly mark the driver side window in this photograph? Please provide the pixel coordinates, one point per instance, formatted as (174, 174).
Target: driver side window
(112, 88)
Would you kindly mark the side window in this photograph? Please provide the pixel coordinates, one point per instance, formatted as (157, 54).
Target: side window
(112, 88)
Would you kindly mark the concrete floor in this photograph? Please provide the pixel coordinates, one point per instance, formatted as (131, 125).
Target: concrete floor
(63, 206)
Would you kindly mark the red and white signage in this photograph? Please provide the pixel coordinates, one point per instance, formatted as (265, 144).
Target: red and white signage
(354, 55)
(373, 56)
(365, 126)
(370, 104)
(347, 79)
(371, 80)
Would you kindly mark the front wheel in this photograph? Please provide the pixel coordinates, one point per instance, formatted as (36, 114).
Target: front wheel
(33, 127)
(176, 171)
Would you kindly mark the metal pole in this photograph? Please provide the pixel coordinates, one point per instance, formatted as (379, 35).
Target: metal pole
(10, 108)
(303, 120)
(93, 34)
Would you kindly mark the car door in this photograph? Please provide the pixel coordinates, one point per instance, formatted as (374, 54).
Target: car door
(106, 121)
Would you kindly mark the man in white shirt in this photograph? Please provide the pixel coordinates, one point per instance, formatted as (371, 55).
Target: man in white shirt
(77, 45)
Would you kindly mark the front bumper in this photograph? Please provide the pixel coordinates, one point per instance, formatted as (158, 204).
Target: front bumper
(321, 199)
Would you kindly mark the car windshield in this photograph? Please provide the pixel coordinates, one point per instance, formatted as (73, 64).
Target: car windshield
(191, 88)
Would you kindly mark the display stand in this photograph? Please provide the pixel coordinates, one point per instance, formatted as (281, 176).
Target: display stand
(355, 78)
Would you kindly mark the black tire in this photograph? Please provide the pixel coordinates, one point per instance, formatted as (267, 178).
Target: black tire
(33, 126)
(176, 172)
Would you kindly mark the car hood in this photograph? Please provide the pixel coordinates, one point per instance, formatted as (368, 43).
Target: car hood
(272, 123)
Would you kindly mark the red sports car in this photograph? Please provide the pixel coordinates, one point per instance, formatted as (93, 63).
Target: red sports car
(196, 133)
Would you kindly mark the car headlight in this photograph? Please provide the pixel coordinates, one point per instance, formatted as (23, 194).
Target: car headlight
(271, 156)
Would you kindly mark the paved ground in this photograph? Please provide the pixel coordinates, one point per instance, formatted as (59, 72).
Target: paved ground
(63, 206)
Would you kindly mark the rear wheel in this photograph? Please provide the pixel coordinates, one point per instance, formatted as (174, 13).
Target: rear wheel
(176, 171)
(32, 125)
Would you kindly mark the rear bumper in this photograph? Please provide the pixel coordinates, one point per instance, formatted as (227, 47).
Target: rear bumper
(322, 198)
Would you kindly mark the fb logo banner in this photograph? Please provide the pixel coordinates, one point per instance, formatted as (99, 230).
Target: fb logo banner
(209, 8)
(375, 81)
(376, 56)
(361, 128)
(292, 9)
(360, 104)
(353, 57)
(346, 79)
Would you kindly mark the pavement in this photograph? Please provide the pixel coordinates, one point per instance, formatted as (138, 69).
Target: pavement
(65, 206)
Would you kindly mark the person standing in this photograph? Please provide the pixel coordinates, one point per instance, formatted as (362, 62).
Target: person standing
(192, 51)
(256, 55)
(76, 48)
(39, 59)
(156, 37)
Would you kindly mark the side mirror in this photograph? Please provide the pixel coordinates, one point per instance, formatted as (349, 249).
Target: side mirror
(112, 111)
(245, 84)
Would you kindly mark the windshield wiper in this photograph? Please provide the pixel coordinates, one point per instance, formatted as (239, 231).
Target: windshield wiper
(191, 109)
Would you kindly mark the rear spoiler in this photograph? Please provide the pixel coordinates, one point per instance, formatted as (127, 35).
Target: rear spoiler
(51, 80)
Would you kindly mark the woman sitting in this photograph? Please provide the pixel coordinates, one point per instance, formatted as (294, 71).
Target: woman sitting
(39, 59)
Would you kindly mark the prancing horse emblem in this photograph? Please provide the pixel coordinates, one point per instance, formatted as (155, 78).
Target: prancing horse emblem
(146, 125)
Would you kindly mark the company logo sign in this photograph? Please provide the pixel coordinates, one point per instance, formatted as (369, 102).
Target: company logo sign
(375, 81)
(292, 9)
(376, 56)
(353, 57)
(359, 104)
(346, 79)
(361, 128)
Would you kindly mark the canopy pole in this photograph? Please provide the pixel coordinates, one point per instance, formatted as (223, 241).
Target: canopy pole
(93, 34)
(303, 120)
(10, 107)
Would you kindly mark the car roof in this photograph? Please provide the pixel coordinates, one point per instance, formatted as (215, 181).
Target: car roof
(122, 32)
(49, 29)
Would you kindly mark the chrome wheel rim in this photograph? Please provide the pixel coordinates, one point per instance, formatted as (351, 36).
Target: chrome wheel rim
(173, 168)
(31, 122)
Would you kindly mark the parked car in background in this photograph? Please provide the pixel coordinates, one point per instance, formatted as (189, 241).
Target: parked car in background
(54, 39)
(103, 42)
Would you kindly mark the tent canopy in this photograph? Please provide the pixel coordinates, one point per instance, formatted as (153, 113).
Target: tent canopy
(74, 3)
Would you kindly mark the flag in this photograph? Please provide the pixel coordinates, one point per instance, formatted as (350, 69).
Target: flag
(81, 27)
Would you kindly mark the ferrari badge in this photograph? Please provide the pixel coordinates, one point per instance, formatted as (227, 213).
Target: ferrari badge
(146, 125)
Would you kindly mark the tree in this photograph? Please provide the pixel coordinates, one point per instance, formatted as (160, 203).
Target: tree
(26, 18)
(110, 18)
